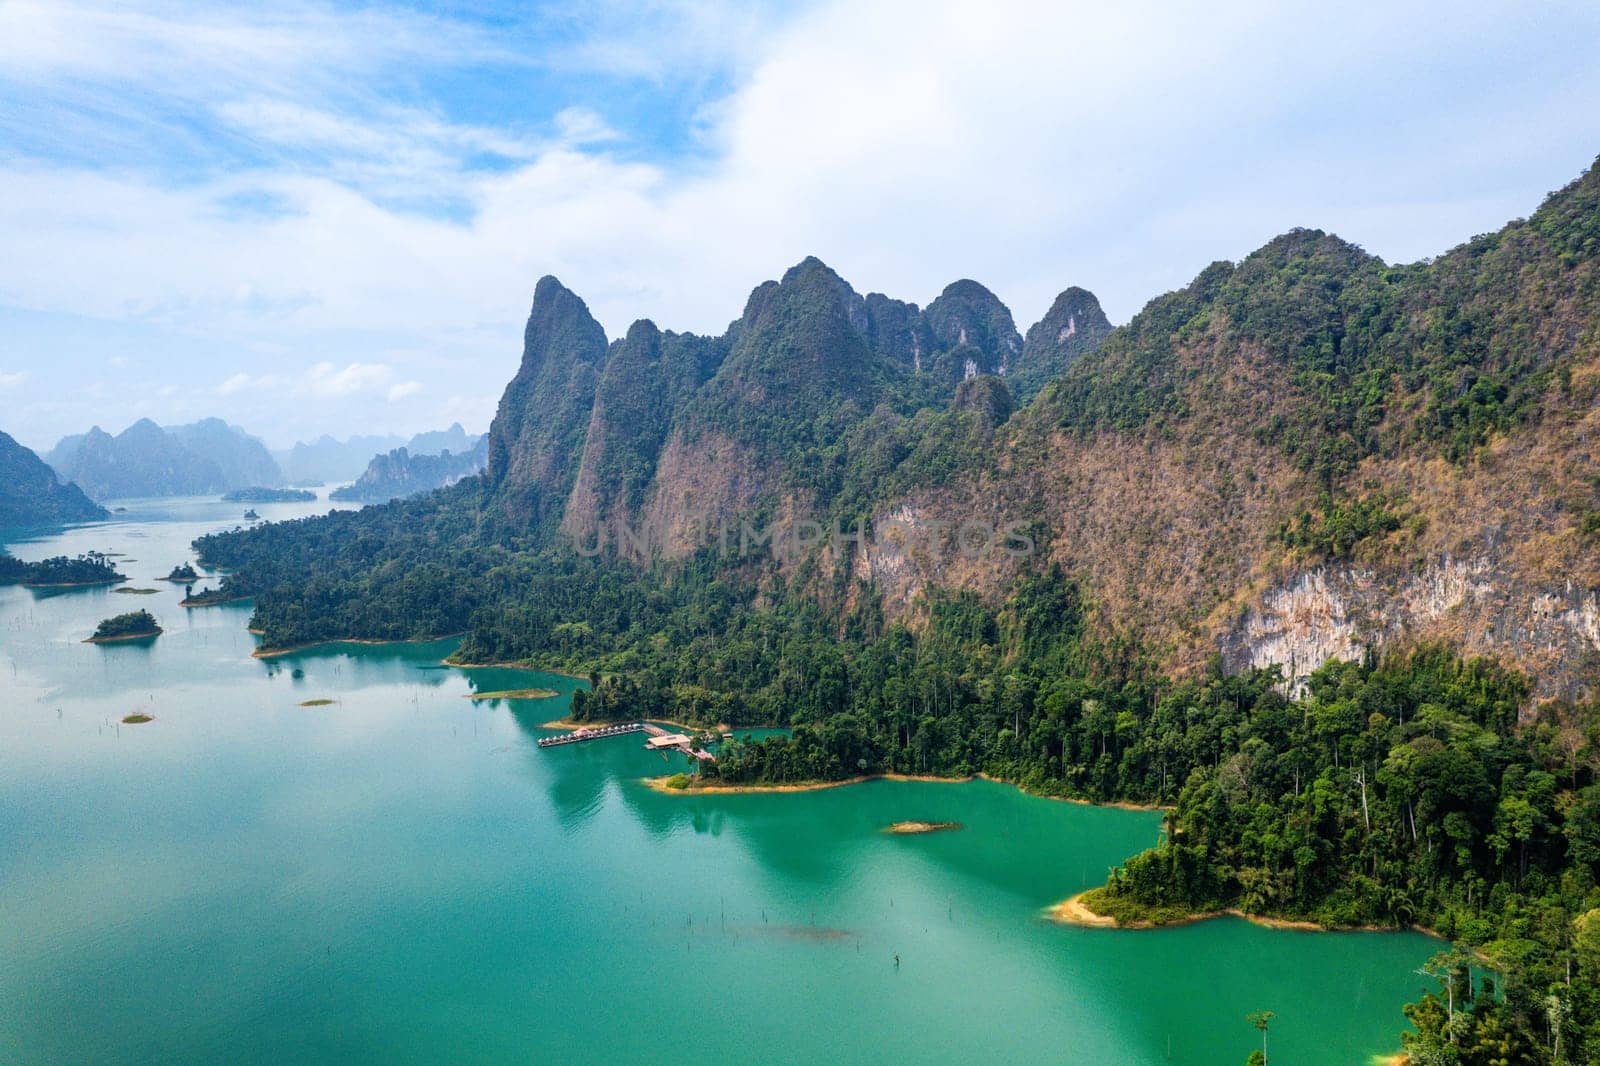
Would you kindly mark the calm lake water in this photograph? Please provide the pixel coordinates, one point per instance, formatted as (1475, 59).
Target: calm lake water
(402, 876)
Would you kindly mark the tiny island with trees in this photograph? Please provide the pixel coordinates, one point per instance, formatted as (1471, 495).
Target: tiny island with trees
(134, 625)
(184, 572)
(258, 494)
(90, 568)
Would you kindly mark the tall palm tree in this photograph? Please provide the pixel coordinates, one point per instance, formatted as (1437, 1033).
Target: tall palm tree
(1261, 1019)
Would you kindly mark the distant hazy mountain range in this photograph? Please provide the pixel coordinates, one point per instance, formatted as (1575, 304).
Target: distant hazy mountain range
(329, 459)
(30, 494)
(148, 460)
(401, 473)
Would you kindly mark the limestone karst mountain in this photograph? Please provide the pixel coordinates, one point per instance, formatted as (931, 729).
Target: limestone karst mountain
(32, 495)
(1310, 453)
(145, 459)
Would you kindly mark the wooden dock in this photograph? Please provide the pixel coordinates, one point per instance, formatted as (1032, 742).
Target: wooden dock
(579, 735)
(660, 739)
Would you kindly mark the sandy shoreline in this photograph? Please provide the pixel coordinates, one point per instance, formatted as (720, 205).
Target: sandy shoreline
(816, 786)
(1074, 911)
(514, 694)
(509, 666)
(124, 638)
(1118, 805)
(71, 584)
(193, 602)
(273, 653)
(660, 784)
(914, 828)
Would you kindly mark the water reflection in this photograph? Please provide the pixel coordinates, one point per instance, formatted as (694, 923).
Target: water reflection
(372, 880)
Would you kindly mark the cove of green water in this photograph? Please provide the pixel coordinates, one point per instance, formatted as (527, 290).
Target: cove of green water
(402, 876)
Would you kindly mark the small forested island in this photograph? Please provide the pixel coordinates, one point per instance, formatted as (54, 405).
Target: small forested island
(183, 572)
(209, 598)
(134, 625)
(260, 494)
(91, 568)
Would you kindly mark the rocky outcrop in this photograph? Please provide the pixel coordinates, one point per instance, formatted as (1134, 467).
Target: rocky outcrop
(1478, 605)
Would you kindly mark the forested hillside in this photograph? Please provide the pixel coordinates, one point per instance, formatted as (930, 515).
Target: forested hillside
(1306, 455)
(30, 494)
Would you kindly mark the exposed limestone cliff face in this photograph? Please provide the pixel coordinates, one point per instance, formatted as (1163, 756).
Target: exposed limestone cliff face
(1345, 612)
(702, 486)
(1173, 467)
(648, 377)
(537, 436)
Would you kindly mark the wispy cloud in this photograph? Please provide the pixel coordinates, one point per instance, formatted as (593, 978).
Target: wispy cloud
(237, 383)
(324, 379)
(351, 206)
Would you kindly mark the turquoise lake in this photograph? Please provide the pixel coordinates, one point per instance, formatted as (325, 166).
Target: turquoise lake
(403, 876)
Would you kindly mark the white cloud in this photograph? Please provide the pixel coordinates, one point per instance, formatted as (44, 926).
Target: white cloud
(579, 126)
(202, 48)
(11, 379)
(324, 379)
(1030, 146)
(238, 383)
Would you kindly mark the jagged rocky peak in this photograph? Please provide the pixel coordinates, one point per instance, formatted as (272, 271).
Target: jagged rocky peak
(560, 329)
(537, 435)
(973, 330)
(1074, 326)
(1075, 313)
(815, 278)
(809, 331)
(673, 358)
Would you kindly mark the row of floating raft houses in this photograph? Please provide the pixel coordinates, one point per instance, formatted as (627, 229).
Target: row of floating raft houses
(659, 739)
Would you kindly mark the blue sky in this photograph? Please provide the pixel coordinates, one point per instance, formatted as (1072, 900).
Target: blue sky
(317, 217)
